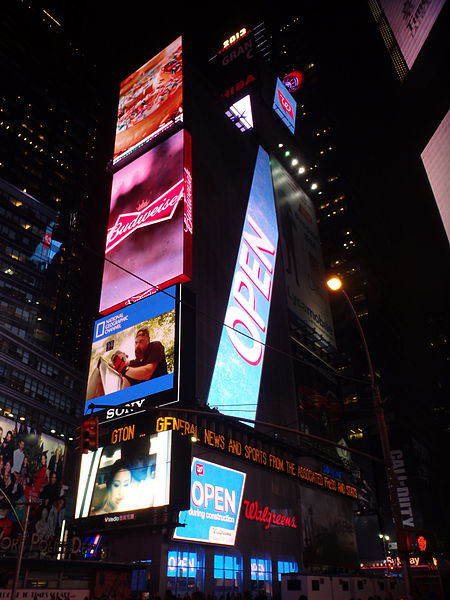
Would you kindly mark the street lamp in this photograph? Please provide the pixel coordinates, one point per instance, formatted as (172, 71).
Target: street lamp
(335, 284)
(385, 538)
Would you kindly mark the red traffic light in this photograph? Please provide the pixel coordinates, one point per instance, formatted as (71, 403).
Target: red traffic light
(87, 435)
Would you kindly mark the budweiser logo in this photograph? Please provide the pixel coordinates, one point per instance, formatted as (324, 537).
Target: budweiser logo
(285, 104)
(161, 209)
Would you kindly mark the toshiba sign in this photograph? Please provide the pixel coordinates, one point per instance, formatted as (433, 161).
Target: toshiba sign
(235, 383)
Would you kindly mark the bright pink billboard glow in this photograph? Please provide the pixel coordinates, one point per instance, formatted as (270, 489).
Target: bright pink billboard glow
(149, 238)
(411, 23)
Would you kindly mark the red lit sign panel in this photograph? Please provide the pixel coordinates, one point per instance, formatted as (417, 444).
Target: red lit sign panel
(149, 238)
(254, 512)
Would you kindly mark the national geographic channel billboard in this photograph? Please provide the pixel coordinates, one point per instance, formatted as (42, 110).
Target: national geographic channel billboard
(133, 352)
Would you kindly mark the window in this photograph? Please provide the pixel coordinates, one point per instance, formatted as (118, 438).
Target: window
(286, 566)
(227, 573)
(185, 570)
(261, 575)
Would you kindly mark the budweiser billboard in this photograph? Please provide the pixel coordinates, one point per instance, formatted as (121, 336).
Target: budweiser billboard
(148, 243)
(150, 101)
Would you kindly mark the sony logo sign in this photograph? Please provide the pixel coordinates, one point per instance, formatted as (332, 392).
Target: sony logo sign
(124, 409)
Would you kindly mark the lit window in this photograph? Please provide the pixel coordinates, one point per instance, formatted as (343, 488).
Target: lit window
(261, 575)
(240, 114)
(286, 566)
(227, 573)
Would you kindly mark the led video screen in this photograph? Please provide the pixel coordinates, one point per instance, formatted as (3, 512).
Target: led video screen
(133, 351)
(150, 101)
(285, 106)
(235, 382)
(130, 475)
(436, 158)
(216, 498)
(411, 23)
(149, 237)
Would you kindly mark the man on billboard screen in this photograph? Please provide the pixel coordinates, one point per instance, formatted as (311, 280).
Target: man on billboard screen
(133, 351)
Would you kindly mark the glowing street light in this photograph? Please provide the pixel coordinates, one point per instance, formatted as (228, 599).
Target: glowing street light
(335, 284)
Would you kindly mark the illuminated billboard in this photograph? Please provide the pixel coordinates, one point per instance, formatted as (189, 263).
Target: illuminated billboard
(216, 498)
(308, 301)
(150, 101)
(285, 106)
(436, 158)
(411, 23)
(235, 382)
(133, 351)
(126, 476)
(149, 237)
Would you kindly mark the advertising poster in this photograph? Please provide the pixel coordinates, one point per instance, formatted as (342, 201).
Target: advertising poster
(411, 23)
(216, 498)
(235, 383)
(130, 475)
(308, 300)
(31, 471)
(328, 530)
(285, 106)
(133, 351)
(150, 225)
(436, 158)
(150, 100)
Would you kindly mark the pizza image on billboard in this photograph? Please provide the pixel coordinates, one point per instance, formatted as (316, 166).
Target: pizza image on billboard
(148, 242)
(150, 101)
(133, 352)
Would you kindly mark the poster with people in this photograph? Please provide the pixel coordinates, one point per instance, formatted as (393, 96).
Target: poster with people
(31, 472)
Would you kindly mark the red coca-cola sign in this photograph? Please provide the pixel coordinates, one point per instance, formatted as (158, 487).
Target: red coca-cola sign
(254, 512)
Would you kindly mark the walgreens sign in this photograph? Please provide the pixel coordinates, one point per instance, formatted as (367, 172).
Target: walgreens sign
(235, 383)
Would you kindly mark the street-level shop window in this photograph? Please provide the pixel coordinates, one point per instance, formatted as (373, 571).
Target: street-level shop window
(185, 570)
(261, 575)
(227, 573)
(287, 566)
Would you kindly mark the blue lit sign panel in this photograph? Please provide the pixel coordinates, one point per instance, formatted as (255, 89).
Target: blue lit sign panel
(285, 106)
(235, 383)
(216, 498)
(133, 351)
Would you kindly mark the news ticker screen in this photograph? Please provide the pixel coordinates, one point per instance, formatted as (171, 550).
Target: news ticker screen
(133, 352)
(150, 101)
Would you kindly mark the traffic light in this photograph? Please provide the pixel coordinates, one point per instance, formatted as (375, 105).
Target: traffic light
(86, 435)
